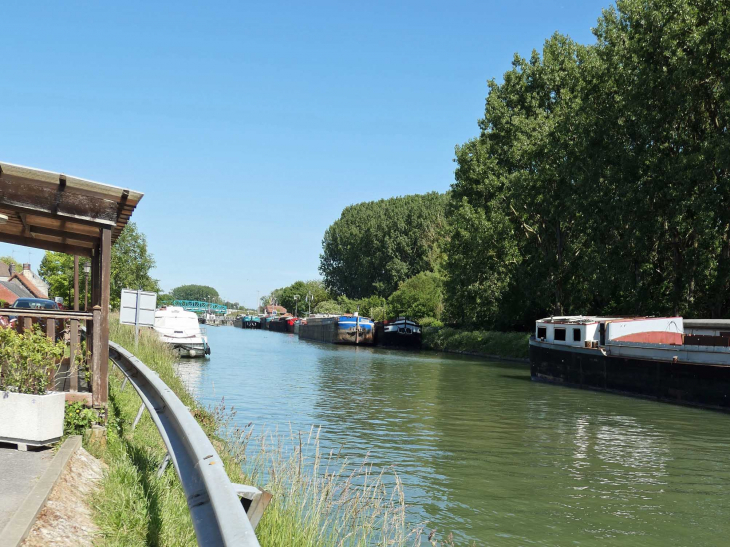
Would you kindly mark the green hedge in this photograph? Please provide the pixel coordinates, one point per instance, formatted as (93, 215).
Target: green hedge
(503, 344)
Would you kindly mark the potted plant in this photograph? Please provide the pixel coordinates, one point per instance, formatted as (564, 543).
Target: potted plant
(30, 413)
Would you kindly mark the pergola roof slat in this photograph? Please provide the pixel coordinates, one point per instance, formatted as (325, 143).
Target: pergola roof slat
(58, 212)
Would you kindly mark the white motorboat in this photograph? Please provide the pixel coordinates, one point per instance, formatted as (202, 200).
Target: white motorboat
(181, 330)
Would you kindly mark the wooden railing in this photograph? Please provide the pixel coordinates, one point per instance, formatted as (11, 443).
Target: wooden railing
(49, 321)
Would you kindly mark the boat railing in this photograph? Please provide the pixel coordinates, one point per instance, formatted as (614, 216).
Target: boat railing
(218, 515)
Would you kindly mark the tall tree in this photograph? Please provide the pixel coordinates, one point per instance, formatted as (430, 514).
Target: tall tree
(374, 246)
(195, 292)
(599, 182)
(511, 205)
(131, 264)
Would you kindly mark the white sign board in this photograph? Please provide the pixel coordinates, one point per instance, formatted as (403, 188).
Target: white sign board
(138, 308)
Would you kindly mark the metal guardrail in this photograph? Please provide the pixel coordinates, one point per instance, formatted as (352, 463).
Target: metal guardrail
(218, 515)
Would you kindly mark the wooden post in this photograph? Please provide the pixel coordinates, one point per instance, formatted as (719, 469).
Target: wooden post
(27, 323)
(100, 299)
(94, 300)
(96, 373)
(73, 348)
(51, 333)
(106, 279)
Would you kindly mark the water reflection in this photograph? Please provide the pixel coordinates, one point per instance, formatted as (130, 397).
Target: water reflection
(481, 450)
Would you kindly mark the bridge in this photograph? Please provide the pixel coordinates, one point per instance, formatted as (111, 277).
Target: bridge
(199, 306)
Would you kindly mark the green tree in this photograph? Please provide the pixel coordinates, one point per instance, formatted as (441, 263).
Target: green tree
(195, 292)
(57, 269)
(599, 181)
(10, 260)
(131, 263)
(285, 296)
(512, 210)
(374, 246)
(418, 297)
(328, 306)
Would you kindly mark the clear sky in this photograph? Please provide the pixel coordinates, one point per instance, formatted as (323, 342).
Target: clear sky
(250, 126)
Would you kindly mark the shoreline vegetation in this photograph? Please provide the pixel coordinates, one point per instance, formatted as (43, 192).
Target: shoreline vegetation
(512, 346)
(319, 498)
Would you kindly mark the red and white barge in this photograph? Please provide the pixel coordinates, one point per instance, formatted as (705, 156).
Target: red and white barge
(667, 358)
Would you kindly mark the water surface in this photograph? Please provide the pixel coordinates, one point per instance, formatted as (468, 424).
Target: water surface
(484, 452)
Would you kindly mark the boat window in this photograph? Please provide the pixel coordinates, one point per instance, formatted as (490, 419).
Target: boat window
(542, 332)
(576, 335)
(559, 335)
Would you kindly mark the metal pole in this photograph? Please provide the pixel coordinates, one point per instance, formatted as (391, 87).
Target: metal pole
(357, 326)
(136, 322)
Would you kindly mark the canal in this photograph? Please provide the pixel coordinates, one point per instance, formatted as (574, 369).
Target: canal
(483, 452)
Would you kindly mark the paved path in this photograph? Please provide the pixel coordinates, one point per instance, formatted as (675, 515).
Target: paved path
(19, 472)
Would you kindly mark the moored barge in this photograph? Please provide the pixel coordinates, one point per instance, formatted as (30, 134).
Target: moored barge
(664, 358)
(338, 329)
(399, 333)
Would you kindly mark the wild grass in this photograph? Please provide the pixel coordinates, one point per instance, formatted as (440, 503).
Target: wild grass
(513, 345)
(318, 499)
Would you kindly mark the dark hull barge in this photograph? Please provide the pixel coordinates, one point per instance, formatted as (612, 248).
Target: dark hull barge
(666, 359)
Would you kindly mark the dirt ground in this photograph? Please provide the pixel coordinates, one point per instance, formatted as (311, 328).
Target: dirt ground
(66, 519)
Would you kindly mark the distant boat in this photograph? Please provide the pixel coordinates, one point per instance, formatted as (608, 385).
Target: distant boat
(401, 332)
(181, 330)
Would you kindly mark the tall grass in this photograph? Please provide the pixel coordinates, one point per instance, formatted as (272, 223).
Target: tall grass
(318, 499)
(513, 345)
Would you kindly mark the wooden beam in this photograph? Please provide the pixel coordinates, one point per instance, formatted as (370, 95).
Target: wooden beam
(63, 225)
(35, 210)
(44, 244)
(76, 185)
(71, 236)
(85, 398)
(45, 314)
(26, 226)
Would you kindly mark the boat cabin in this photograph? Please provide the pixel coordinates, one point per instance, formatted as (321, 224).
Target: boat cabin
(594, 331)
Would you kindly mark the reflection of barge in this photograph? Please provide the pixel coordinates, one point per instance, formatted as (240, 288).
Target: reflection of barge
(338, 329)
(665, 358)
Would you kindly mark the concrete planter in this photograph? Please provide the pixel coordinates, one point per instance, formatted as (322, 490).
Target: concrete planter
(31, 419)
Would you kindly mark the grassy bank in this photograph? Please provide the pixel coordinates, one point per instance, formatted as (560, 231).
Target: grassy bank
(318, 499)
(511, 345)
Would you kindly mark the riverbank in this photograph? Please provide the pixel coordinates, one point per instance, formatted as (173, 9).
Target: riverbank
(309, 507)
(512, 346)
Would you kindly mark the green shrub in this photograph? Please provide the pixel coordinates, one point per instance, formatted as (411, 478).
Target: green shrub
(501, 344)
(328, 306)
(78, 418)
(430, 322)
(419, 296)
(27, 360)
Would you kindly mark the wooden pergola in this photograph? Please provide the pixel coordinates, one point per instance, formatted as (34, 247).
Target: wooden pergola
(79, 217)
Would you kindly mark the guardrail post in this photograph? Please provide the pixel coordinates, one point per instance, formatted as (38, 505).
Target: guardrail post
(163, 465)
(254, 501)
(139, 416)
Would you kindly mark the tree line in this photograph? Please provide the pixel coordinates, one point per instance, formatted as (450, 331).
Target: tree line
(598, 184)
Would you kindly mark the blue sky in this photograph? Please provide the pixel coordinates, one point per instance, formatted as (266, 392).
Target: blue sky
(250, 126)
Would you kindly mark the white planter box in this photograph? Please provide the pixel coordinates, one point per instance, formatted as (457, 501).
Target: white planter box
(31, 419)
